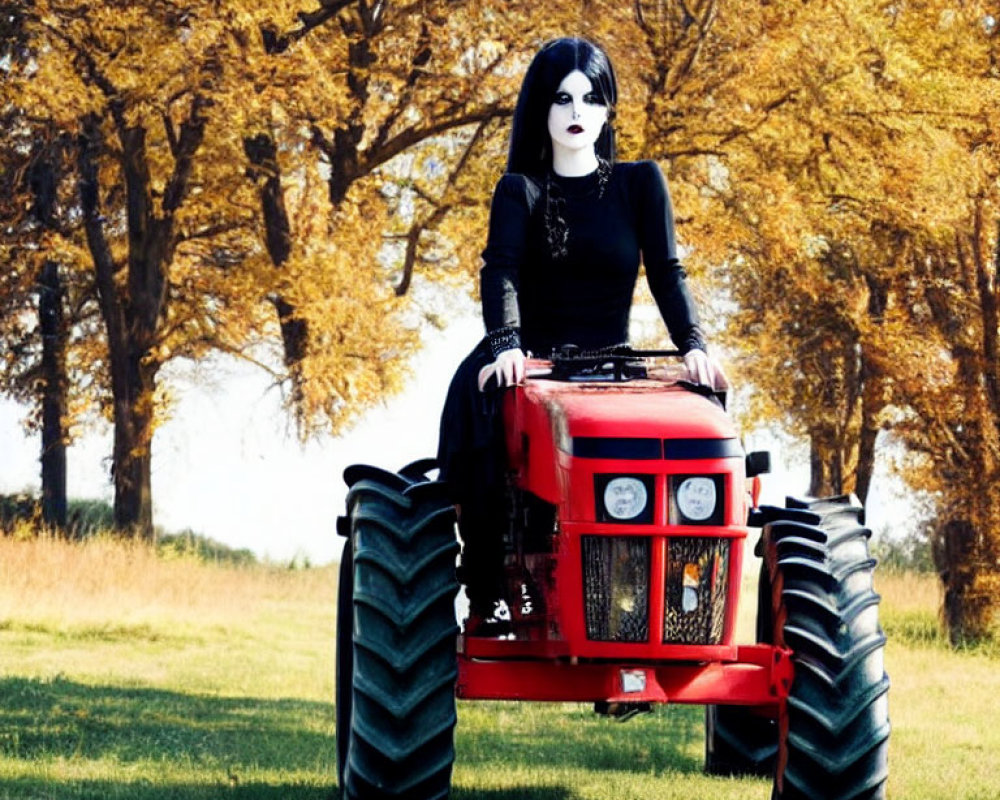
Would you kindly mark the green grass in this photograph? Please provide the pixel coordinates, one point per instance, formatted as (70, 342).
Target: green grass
(127, 676)
(64, 738)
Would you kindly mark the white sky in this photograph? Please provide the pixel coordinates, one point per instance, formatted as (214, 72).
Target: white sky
(229, 466)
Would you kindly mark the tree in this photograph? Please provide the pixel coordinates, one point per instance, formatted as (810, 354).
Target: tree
(193, 125)
(405, 104)
(133, 184)
(844, 181)
(33, 161)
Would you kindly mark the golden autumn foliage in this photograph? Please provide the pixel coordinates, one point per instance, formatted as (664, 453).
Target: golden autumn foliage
(843, 196)
(238, 174)
(271, 180)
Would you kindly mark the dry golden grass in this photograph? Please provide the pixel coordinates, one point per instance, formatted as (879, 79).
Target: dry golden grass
(107, 607)
(131, 677)
(908, 591)
(911, 612)
(108, 581)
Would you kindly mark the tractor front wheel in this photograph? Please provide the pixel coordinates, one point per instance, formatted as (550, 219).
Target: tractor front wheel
(395, 694)
(833, 732)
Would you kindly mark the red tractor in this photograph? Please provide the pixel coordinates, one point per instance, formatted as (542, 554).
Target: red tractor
(629, 503)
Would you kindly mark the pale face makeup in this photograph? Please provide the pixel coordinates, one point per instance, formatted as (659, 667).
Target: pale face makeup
(576, 118)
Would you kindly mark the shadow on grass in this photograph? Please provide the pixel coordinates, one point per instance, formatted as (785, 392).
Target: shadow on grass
(98, 790)
(39, 789)
(550, 735)
(167, 744)
(206, 744)
(518, 793)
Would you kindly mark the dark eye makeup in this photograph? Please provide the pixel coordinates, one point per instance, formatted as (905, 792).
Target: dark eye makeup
(591, 98)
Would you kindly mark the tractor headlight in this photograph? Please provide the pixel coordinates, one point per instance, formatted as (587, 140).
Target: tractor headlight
(624, 498)
(697, 500)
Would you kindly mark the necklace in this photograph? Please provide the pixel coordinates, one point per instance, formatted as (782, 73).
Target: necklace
(556, 227)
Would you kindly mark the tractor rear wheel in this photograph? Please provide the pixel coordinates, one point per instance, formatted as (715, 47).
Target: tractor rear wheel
(344, 678)
(739, 741)
(395, 730)
(834, 728)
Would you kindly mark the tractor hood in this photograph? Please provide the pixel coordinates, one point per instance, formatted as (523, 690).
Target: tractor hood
(559, 429)
(637, 410)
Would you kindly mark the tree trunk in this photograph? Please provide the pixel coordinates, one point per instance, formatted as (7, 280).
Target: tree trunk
(53, 457)
(967, 540)
(970, 579)
(872, 403)
(873, 391)
(826, 473)
(43, 178)
(132, 318)
(134, 383)
(866, 461)
(262, 152)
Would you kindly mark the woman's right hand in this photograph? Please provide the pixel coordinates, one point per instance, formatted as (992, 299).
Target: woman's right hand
(508, 369)
(705, 370)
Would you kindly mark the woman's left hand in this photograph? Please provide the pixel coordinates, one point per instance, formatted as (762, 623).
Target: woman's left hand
(705, 370)
(508, 369)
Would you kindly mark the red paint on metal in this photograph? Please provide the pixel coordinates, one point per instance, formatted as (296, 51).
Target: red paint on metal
(548, 656)
(759, 675)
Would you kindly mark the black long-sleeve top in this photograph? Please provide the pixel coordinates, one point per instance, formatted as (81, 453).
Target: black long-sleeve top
(537, 302)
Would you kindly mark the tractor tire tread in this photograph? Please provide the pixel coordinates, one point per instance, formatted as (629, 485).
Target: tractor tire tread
(837, 709)
(404, 637)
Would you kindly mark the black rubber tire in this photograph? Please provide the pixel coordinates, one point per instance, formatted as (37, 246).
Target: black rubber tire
(400, 735)
(344, 686)
(737, 740)
(834, 732)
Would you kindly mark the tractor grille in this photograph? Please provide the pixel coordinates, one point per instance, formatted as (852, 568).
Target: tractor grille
(616, 588)
(697, 579)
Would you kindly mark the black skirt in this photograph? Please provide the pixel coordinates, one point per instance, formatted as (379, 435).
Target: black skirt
(471, 442)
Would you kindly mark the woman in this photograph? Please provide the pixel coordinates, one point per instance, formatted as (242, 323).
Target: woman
(568, 227)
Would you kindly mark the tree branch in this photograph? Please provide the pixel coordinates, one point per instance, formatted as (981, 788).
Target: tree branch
(439, 212)
(422, 56)
(92, 74)
(276, 42)
(191, 135)
(704, 26)
(213, 230)
(375, 157)
(88, 149)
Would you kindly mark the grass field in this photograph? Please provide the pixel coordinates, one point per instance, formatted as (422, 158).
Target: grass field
(123, 675)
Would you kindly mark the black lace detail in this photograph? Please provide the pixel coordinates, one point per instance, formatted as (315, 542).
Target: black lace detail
(556, 227)
(603, 176)
(503, 339)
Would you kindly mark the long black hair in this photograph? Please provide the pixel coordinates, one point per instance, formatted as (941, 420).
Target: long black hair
(530, 145)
